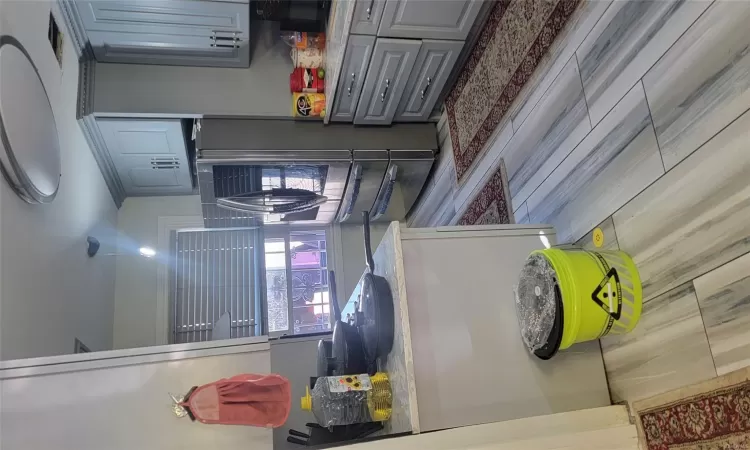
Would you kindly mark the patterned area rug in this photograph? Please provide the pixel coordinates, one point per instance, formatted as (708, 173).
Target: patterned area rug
(515, 38)
(490, 205)
(712, 415)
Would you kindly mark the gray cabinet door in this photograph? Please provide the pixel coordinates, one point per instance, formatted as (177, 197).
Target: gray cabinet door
(391, 63)
(434, 63)
(439, 19)
(353, 72)
(185, 32)
(367, 14)
(166, 49)
(149, 155)
(175, 17)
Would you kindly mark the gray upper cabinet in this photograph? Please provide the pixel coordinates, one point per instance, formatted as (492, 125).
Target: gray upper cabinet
(176, 17)
(353, 72)
(391, 63)
(431, 71)
(367, 14)
(149, 155)
(177, 32)
(165, 49)
(439, 19)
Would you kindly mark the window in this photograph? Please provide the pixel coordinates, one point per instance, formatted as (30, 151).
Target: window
(274, 272)
(297, 269)
(215, 273)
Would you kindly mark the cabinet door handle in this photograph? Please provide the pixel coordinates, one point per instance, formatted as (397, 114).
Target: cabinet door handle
(351, 86)
(423, 92)
(216, 40)
(369, 9)
(385, 91)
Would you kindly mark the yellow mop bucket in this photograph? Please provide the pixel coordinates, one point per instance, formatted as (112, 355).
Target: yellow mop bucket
(599, 294)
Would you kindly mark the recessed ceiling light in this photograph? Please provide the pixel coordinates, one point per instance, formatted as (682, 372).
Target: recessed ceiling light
(148, 252)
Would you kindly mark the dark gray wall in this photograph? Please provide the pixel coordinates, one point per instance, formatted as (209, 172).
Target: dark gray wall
(294, 359)
(255, 134)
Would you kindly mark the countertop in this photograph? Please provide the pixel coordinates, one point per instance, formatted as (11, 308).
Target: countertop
(337, 33)
(389, 263)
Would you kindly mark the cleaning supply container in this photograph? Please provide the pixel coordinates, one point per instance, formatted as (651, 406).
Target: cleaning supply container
(350, 399)
(571, 295)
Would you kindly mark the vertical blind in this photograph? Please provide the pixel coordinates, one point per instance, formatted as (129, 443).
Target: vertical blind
(214, 272)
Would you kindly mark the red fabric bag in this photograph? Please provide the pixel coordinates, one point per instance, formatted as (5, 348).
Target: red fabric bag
(247, 399)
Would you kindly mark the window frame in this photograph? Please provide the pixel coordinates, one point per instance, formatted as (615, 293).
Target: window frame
(284, 231)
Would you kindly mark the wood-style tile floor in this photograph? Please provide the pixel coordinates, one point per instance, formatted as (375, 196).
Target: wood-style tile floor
(638, 121)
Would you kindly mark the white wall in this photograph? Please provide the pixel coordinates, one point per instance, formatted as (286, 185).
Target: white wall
(136, 286)
(262, 90)
(126, 406)
(50, 291)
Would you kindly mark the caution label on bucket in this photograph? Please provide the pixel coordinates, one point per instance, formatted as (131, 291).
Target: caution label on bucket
(610, 296)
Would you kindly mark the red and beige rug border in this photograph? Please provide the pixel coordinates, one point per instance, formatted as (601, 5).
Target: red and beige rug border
(696, 416)
(495, 190)
(465, 158)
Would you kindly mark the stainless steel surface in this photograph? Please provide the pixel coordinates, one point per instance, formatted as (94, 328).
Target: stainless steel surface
(252, 168)
(208, 156)
(399, 192)
(374, 164)
(386, 192)
(352, 191)
(264, 202)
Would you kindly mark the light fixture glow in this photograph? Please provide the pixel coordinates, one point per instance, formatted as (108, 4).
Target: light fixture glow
(544, 239)
(148, 252)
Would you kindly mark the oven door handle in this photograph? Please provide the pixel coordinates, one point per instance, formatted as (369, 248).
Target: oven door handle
(350, 199)
(386, 191)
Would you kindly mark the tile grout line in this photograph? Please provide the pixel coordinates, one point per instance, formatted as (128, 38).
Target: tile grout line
(588, 111)
(703, 322)
(575, 53)
(614, 230)
(659, 59)
(653, 125)
(747, 111)
(658, 293)
(552, 83)
(583, 92)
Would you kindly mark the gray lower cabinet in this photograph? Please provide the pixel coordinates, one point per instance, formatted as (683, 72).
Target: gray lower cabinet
(425, 19)
(431, 70)
(390, 66)
(353, 72)
(175, 32)
(367, 14)
(149, 155)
